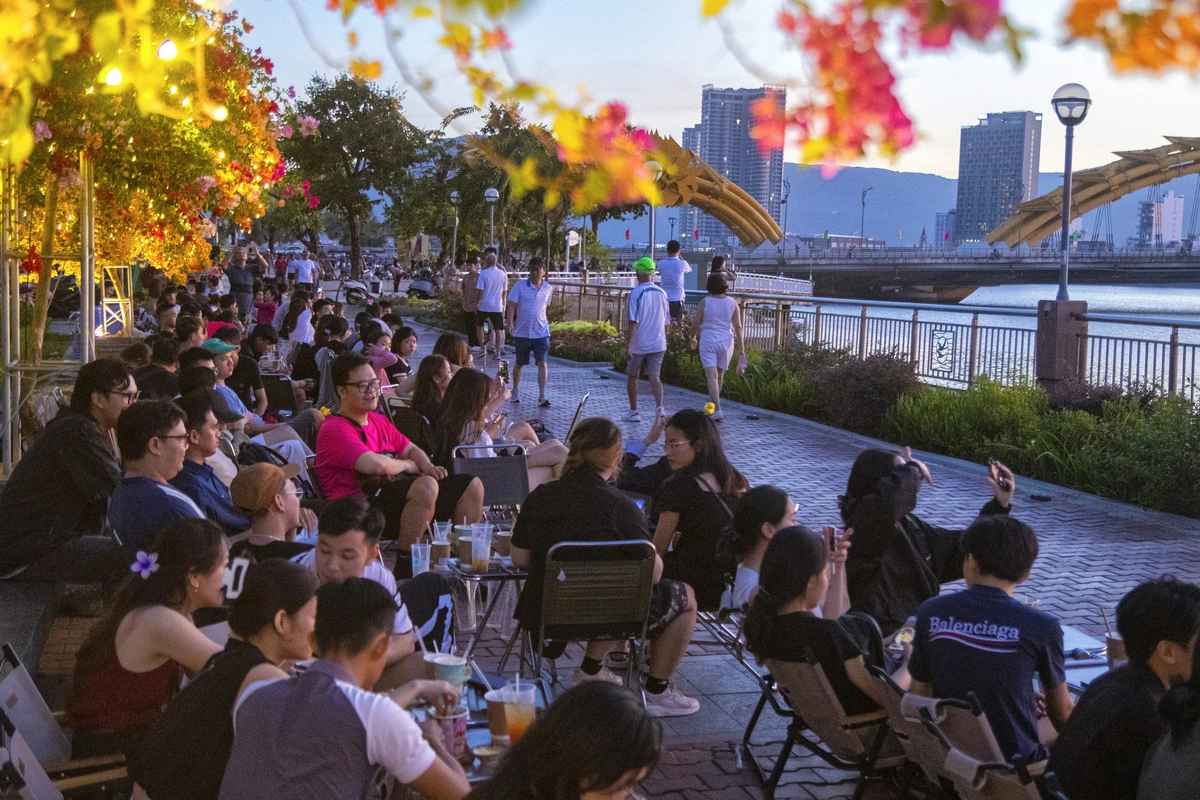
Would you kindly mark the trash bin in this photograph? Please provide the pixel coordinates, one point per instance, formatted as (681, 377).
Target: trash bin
(375, 284)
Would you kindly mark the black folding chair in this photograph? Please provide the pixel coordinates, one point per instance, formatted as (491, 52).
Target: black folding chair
(280, 396)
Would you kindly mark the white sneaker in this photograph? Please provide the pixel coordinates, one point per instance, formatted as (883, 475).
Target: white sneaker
(671, 703)
(605, 674)
(717, 415)
(632, 415)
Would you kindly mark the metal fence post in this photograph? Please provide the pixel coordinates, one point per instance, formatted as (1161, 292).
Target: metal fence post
(816, 331)
(778, 324)
(582, 292)
(1173, 374)
(914, 338)
(973, 363)
(862, 335)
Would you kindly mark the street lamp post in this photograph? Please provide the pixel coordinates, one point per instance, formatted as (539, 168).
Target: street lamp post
(862, 218)
(454, 241)
(491, 196)
(1071, 104)
(787, 190)
(672, 220)
(656, 172)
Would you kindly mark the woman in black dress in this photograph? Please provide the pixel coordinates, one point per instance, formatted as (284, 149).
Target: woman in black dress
(696, 507)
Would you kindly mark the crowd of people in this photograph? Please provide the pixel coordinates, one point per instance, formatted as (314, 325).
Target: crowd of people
(153, 481)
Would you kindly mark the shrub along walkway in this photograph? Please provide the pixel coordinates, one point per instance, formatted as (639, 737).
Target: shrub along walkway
(1092, 551)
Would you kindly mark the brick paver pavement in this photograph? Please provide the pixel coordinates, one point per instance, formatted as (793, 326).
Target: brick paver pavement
(1092, 552)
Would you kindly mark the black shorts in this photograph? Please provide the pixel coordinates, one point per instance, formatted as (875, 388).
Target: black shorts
(494, 317)
(676, 307)
(392, 498)
(668, 601)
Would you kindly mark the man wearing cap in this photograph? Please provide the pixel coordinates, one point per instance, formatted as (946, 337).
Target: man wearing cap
(646, 336)
(305, 424)
(526, 316)
(197, 480)
(268, 496)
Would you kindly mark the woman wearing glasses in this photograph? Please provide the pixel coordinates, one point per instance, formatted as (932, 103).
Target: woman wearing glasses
(360, 453)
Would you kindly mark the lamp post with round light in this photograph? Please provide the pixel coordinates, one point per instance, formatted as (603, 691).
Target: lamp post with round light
(454, 241)
(491, 196)
(1071, 104)
(656, 172)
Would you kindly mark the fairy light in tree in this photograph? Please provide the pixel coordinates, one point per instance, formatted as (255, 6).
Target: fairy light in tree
(167, 50)
(220, 113)
(113, 77)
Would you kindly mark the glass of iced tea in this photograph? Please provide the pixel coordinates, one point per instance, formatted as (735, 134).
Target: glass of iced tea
(481, 547)
(519, 709)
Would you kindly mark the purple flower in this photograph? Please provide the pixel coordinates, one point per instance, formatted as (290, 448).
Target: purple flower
(41, 131)
(308, 125)
(292, 92)
(145, 564)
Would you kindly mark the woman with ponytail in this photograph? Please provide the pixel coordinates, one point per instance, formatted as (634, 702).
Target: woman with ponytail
(782, 624)
(183, 756)
(584, 506)
(132, 663)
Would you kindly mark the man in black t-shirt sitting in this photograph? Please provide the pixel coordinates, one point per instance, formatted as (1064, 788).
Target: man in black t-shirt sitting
(267, 495)
(983, 641)
(159, 380)
(1099, 754)
(246, 379)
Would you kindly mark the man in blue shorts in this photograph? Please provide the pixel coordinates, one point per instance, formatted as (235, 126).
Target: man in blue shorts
(527, 302)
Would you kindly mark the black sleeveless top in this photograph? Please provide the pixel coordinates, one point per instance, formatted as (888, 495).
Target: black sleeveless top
(183, 756)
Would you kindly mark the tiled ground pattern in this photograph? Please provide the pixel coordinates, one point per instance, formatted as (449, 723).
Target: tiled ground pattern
(1092, 552)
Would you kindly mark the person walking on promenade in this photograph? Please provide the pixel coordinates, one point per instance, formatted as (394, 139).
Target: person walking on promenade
(720, 323)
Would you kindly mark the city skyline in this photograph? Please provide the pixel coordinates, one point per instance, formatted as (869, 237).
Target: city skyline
(658, 66)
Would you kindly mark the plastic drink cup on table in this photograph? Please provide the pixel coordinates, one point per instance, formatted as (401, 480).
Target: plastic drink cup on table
(519, 710)
(441, 531)
(451, 669)
(430, 668)
(497, 724)
(464, 551)
(420, 558)
(481, 547)
(1116, 651)
(438, 552)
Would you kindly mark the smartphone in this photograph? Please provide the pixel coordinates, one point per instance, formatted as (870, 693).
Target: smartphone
(994, 468)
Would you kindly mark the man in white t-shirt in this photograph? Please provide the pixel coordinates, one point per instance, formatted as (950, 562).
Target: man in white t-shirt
(649, 316)
(348, 532)
(527, 304)
(306, 271)
(493, 286)
(671, 271)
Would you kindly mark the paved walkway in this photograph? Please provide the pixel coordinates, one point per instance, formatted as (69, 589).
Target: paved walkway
(1093, 551)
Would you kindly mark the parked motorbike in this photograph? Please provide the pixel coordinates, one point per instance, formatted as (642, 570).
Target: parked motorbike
(425, 286)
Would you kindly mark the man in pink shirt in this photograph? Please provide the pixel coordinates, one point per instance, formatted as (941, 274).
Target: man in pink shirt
(360, 453)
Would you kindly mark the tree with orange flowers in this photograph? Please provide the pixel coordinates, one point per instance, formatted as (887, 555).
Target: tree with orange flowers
(159, 177)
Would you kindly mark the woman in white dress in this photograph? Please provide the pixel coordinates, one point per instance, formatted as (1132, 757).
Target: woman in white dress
(720, 322)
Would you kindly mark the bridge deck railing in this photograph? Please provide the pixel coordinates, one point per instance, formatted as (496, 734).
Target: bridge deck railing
(949, 345)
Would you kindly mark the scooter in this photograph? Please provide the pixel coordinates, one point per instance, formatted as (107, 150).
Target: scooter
(425, 287)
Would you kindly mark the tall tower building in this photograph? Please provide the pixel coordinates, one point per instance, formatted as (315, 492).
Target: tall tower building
(998, 164)
(689, 216)
(725, 143)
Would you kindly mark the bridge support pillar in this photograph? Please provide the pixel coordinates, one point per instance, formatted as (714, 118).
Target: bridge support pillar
(1061, 349)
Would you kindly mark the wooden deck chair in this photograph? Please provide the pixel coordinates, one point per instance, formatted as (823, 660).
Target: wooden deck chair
(859, 743)
(30, 732)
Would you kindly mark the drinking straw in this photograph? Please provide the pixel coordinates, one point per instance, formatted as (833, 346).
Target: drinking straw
(421, 641)
(435, 648)
(1104, 615)
(429, 530)
(482, 677)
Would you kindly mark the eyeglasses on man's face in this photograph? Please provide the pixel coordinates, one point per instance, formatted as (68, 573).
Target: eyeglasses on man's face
(365, 387)
(132, 397)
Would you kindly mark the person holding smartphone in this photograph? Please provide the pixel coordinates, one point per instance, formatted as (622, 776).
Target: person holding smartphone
(898, 560)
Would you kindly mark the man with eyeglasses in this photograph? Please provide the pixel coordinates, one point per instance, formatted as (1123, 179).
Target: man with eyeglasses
(153, 442)
(361, 454)
(204, 422)
(54, 503)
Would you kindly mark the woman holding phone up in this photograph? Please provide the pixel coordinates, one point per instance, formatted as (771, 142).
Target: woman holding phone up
(898, 560)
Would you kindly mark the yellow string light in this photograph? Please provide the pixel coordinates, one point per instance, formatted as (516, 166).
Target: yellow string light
(113, 77)
(167, 50)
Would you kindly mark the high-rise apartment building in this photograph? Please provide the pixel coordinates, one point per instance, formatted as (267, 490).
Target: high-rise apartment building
(1160, 222)
(689, 216)
(726, 145)
(943, 228)
(998, 164)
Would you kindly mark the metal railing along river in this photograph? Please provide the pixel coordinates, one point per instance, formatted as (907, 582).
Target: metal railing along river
(949, 345)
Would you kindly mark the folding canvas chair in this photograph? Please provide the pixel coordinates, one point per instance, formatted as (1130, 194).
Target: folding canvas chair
(858, 743)
(505, 478)
(974, 763)
(36, 753)
(907, 714)
(596, 591)
(280, 396)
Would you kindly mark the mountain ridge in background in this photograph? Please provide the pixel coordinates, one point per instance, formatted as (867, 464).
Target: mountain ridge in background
(898, 202)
